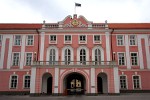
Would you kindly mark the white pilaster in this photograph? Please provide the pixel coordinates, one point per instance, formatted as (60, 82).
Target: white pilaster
(140, 51)
(22, 52)
(127, 51)
(33, 79)
(108, 46)
(147, 51)
(116, 80)
(42, 46)
(2, 52)
(56, 80)
(92, 80)
(9, 51)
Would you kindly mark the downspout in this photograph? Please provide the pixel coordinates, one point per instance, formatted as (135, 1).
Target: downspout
(37, 56)
(112, 53)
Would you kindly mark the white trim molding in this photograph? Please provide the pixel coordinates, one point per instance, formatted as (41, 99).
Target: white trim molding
(22, 51)
(42, 46)
(33, 79)
(116, 79)
(107, 46)
(127, 52)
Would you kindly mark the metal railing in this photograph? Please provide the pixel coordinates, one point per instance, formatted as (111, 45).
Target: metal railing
(74, 63)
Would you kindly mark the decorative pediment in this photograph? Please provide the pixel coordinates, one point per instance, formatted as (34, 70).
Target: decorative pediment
(75, 21)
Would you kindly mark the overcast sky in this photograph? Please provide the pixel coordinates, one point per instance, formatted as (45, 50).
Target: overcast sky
(35, 11)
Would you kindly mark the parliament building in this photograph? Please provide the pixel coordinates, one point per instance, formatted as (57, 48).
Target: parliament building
(74, 56)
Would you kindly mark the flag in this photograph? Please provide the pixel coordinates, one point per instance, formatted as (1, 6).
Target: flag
(77, 4)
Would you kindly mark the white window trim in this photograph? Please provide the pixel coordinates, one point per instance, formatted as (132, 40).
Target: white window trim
(24, 80)
(78, 54)
(48, 53)
(20, 40)
(139, 82)
(135, 41)
(126, 82)
(13, 58)
(63, 54)
(10, 81)
(97, 42)
(117, 39)
(26, 58)
(124, 58)
(67, 42)
(137, 59)
(53, 42)
(27, 40)
(102, 52)
(82, 42)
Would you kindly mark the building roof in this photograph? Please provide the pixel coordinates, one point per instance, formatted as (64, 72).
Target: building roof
(20, 26)
(129, 25)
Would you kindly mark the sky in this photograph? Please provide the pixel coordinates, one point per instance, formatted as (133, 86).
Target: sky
(52, 11)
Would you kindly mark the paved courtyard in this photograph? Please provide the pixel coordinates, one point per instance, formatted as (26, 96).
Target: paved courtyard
(138, 96)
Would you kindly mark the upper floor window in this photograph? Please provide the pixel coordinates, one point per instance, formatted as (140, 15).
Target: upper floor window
(132, 40)
(27, 81)
(67, 37)
(136, 82)
(97, 56)
(123, 82)
(82, 56)
(82, 38)
(134, 58)
(17, 40)
(67, 56)
(121, 59)
(52, 56)
(0, 39)
(13, 81)
(28, 58)
(52, 37)
(16, 57)
(30, 40)
(120, 40)
(96, 37)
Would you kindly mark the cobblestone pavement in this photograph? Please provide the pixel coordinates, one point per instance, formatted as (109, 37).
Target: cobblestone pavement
(138, 96)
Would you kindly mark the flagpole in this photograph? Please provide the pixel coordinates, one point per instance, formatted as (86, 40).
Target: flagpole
(75, 9)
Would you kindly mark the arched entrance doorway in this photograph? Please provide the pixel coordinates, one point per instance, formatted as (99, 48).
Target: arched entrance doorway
(102, 84)
(47, 83)
(74, 83)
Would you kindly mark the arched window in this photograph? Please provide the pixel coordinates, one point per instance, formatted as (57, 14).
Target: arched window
(97, 56)
(67, 56)
(82, 56)
(52, 56)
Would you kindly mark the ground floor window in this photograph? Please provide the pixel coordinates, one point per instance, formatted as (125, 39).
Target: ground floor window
(123, 82)
(136, 82)
(27, 81)
(14, 81)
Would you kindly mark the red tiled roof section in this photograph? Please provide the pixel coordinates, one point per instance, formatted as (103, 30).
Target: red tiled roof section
(129, 25)
(20, 26)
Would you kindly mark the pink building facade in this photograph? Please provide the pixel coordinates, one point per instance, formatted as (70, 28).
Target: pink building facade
(74, 56)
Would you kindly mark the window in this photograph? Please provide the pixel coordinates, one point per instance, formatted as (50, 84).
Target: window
(67, 37)
(136, 82)
(134, 59)
(132, 40)
(27, 81)
(121, 59)
(67, 56)
(17, 40)
(123, 82)
(82, 38)
(97, 57)
(30, 40)
(0, 39)
(14, 80)
(82, 56)
(28, 58)
(52, 37)
(16, 57)
(52, 57)
(96, 37)
(120, 40)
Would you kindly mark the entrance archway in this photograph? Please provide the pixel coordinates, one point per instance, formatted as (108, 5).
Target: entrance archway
(74, 83)
(102, 83)
(47, 83)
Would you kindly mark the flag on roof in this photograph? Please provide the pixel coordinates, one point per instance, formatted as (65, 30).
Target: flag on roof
(77, 4)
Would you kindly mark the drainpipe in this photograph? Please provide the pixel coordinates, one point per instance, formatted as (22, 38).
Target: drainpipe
(37, 54)
(112, 53)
